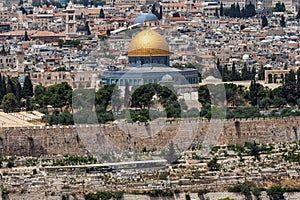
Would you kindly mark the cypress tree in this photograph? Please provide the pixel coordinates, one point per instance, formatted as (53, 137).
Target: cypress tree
(298, 15)
(221, 10)
(85, 3)
(18, 91)
(101, 15)
(282, 21)
(153, 9)
(238, 11)
(1, 88)
(88, 31)
(290, 87)
(27, 87)
(298, 82)
(160, 13)
(10, 87)
(216, 13)
(26, 38)
(264, 21)
(232, 11)
(127, 95)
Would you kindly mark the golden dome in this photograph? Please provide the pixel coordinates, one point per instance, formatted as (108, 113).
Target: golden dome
(148, 43)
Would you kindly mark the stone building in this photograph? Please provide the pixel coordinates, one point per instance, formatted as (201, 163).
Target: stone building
(148, 62)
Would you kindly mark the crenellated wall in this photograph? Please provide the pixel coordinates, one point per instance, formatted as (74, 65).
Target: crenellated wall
(93, 139)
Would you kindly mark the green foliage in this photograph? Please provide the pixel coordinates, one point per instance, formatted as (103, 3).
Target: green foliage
(235, 12)
(282, 21)
(176, 191)
(39, 95)
(279, 7)
(63, 118)
(74, 160)
(221, 10)
(27, 87)
(101, 14)
(298, 15)
(213, 165)
(171, 154)
(290, 88)
(143, 97)
(187, 197)
(243, 189)
(10, 164)
(256, 192)
(98, 196)
(264, 21)
(276, 192)
(10, 103)
(202, 192)
(160, 193)
(58, 95)
(243, 112)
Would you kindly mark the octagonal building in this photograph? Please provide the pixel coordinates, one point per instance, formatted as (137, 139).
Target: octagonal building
(148, 62)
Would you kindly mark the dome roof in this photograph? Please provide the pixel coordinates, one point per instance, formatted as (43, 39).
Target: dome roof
(167, 78)
(148, 43)
(144, 17)
(246, 57)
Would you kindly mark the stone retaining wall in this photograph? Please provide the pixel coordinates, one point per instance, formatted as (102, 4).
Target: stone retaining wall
(90, 139)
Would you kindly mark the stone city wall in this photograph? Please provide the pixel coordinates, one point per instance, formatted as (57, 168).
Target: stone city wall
(91, 139)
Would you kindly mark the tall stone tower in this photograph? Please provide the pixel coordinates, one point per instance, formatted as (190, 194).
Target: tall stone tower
(20, 58)
(70, 20)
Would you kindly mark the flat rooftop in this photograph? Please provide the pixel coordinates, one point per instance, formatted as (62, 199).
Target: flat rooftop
(20, 119)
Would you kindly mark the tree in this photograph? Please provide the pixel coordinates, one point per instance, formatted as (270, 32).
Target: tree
(213, 165)
(249, 10)
(29, 103)
(221, 10)
(216, 13)
(10, 86)
(85, 3)
(171, 156)
(39, 95)
(18, 91)
(298, 82)
(275, 192)
(264, 21)
(27, 87)
(176, 14)
(2, 87)
(201, 194)
(58, 95)
(238, 11)
(298, 15)
(232, 11)
(101, 15)
(153, 9)
(3, 52)
(26, 38)
(126, 94)
(160, 12)
(10, 103)
(253, 93)
(282, 21)
(24, 12)
(279, 7)
(290, 88)
(88, 31)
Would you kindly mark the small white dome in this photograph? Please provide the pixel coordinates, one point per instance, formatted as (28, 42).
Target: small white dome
(14, 19)
(246, 57)
(167, 78)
